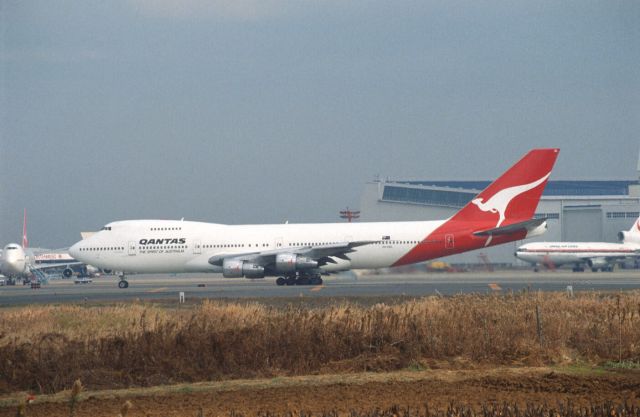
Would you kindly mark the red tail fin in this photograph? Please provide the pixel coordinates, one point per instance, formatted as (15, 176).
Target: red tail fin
(510, 199)
(514, 196)
(25, 241)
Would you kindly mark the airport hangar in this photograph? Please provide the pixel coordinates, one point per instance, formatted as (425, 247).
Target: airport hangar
(577, 211)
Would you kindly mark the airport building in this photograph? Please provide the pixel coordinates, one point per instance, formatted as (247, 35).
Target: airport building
(582, 211)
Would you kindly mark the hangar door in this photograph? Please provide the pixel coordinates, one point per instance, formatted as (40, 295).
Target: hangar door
(582, 224)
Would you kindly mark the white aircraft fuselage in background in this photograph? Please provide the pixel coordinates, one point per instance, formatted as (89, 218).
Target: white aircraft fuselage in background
(596, 255)
(301, 252)
(14, 261)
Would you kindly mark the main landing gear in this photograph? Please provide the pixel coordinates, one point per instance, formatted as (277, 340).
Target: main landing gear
(300, 279)
(123, 282)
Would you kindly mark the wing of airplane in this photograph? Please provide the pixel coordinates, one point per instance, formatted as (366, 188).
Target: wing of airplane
(528, 225)
(47, 267)
(322, 254)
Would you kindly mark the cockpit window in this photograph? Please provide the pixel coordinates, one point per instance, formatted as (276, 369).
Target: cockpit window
(11, 247)
(106, 228)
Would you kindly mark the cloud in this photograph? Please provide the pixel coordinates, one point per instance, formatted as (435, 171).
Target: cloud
(248, 10)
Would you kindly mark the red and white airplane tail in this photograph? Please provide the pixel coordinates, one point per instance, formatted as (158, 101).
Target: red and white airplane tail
(25, 241)
(503, 212)
(514, 196)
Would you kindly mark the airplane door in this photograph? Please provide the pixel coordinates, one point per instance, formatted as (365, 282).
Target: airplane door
(449, 242)
(277, 243)
(132, 248)
(197, 247)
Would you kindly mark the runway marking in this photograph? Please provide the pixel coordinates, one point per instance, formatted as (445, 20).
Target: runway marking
(495, 287)
(158, 289)
(317, 288)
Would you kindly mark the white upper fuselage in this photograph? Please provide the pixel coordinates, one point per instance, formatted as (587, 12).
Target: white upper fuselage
(156, 246)
(559, 253)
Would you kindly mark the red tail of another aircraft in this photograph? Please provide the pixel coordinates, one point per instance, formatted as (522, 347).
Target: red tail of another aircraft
(25, 241)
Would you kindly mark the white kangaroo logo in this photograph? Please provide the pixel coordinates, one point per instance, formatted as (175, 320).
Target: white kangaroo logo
(499, 202)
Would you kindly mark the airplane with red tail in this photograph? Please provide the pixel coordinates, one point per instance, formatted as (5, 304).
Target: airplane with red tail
(299, 254)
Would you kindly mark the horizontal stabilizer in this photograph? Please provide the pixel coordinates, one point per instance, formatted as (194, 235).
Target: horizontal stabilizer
(527, 225)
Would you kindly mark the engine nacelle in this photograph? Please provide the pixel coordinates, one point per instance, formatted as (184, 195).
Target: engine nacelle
(290, 262)
(67, 272)
(232, 268)
(597, 263)
(91, 270)
(627, 237)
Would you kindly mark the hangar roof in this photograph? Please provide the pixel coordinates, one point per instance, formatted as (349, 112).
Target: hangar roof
(553, 188)
(459, 193)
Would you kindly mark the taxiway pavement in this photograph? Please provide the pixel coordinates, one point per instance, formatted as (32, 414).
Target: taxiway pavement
(148, 287)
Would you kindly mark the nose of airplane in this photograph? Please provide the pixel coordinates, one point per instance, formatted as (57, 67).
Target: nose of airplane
(74, 250)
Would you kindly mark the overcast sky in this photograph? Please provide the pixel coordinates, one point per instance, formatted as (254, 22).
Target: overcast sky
(255, 111)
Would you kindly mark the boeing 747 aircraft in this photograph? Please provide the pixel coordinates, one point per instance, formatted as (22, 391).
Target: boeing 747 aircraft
(596, 255)
(299, 253)
(20, 262)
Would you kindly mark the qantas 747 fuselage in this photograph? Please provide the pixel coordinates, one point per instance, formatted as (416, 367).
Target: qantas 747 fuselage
(300, 252)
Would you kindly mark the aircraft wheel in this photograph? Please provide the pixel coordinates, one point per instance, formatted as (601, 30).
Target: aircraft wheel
(123, 284)
(595, 269)
(290, 281)
(316, 281)
(535, 269)
(280, 281)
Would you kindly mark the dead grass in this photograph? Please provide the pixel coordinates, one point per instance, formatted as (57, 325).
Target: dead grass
(46, 348)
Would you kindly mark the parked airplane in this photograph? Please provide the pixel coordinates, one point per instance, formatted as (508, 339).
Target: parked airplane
(60, 259)
(20, 262)
(596, 255)
(299, 253)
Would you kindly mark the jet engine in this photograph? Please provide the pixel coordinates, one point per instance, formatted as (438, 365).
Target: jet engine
(67, 272)
(597, 263)
(627, 237)
(232, 268)
(290, 262)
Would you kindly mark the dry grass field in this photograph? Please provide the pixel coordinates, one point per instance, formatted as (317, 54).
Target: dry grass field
(43, 350)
